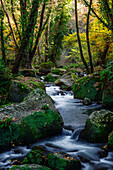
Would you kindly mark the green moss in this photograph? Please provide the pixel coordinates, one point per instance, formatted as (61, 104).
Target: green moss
(49, 78)
(57, 162)
(19, 168)
(89, 87)
(22, 87)
(48, 64)
(40, 125)
(98, 128)
(9, 134)
(110, 142)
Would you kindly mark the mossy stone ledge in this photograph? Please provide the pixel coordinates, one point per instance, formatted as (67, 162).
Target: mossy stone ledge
(89, 87)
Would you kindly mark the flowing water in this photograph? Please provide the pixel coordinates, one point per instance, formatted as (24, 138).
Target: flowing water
(74, 115)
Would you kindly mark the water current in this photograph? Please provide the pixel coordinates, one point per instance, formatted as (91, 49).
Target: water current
(74, 116)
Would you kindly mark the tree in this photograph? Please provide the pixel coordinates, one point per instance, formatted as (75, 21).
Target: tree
(2, 37)
(87, 35)
(28, 28)
(79, 41)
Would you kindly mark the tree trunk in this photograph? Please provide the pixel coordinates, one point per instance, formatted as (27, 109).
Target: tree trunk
(26, 37)
(79, 41)
(2, 38)
(47, 42)
(87, 36)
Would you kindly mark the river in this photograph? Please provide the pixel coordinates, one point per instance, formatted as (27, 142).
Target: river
(74, 116)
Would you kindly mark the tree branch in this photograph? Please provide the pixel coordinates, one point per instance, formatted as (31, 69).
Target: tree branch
(9, 24)
(106, 25)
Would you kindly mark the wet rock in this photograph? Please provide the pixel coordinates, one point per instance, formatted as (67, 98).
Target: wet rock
(87, 101)
(63, 161)
(98, 126)
(103, 153)
(65, 82)
(102, 166)
(87, 157)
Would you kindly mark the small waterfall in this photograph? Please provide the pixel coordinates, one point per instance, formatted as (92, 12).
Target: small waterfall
(66, 132)
(76, 133)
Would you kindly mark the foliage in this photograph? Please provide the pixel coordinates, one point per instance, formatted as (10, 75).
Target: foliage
(4, 83)
(10, 133)
(58, 28)
(106, 76)
(110, 140)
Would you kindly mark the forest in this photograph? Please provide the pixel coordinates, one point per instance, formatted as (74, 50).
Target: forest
(48, 44)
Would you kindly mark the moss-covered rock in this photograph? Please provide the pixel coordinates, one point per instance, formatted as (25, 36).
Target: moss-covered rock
(22, 86)
(49, 78)
(30, 167)
(110, 141)
(45, 68)
(31, 128)
(59, 71)
(40, 125)
(98, 126)
(89, 87)
(62, 161)
(29, 72)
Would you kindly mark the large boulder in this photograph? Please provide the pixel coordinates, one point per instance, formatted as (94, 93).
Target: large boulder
(45, 68)
(65, 82)
(89, 87)
(98, 126)
(63, 161)
(34, 118)
(58, 161)
(22, 86)
(58, 71)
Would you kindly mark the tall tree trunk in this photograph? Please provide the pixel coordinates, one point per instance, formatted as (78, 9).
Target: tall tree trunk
(2, 38)
(79, 41)
(87, 36)
(47, 42)
(26, 37)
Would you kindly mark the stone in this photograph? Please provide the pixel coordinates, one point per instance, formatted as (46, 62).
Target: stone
(87, 101)
(29, 120)
(22, 86)
(58, 71)
(30, 167)
(98, 126)
(65, 82)
(89, 87)
(45, 68)
(50, 77)
(61, 160)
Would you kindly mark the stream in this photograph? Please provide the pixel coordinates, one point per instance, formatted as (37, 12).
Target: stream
(74, 116)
